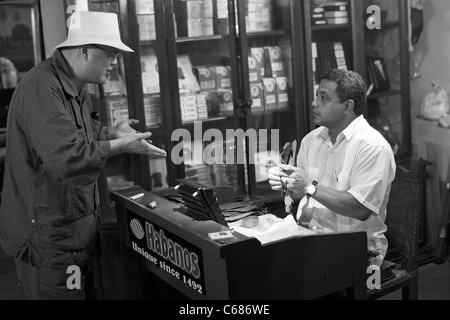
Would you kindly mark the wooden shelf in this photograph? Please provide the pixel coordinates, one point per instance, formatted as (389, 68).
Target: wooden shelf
(206, 121)
(386, 25)
(385, 93)
(205, 38)
(331, 27)
(266, 112)
(273, 33)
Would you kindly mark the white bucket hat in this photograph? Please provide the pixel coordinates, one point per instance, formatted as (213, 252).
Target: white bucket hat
(94, 28)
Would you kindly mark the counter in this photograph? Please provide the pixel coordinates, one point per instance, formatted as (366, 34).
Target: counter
(173, 244)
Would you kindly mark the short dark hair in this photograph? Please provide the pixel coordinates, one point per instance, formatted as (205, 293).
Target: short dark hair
(350, 85)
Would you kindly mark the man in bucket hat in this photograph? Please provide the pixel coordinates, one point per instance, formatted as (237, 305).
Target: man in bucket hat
(55, 154)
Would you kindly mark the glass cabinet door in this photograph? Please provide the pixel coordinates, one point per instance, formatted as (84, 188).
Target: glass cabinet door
(387, 71)
(148, 98)
(132, 92)
(204, 88)
(270, 36)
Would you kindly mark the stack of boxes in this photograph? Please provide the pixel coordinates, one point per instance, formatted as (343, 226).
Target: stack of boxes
(211, 94)
(258, 15)
(117, 110)
(282, 93)
(329, 12)
(268, 81)
(225, 99)
(195, 18)
(256, 66)
(206, 76)
(210, 174)
(223, 77)
(270, 93)
(150, 71)
(215, 84)
(221, 25)
(202, 109)
(188, 105)
(318, 15)
(153, 110)
(146, 19)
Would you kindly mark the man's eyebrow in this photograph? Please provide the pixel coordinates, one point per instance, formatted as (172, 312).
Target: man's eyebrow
(322, 91)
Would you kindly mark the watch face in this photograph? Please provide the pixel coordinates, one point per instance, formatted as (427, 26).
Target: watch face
(310, 189)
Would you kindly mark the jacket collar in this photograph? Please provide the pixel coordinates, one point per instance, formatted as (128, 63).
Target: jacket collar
(65, 73)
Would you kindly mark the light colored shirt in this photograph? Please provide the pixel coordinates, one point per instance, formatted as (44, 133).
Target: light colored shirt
(362, 163)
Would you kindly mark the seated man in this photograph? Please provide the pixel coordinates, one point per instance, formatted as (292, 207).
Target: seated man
(344, 167)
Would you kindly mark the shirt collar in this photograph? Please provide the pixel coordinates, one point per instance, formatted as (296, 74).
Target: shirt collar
(353, 127)
(324, 134)
(65, 73)
(348, 132)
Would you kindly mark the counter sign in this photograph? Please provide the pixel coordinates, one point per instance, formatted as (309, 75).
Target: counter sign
(165, 252)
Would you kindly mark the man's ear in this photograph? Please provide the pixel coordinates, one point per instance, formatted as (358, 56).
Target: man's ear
(349, 106)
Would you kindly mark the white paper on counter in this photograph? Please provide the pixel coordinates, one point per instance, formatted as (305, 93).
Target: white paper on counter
(271, 228)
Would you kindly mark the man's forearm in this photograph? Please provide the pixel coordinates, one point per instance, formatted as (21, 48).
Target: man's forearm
(117, 147)
(342, 203)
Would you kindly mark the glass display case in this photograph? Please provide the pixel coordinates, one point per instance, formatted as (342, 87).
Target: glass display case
(204, 82)
(387, 72)
(272, 84)
(233, 91)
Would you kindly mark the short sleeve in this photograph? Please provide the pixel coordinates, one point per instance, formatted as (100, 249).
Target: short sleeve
(372, 176)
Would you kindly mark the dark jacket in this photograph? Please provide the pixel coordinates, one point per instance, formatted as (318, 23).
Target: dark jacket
(53, 161)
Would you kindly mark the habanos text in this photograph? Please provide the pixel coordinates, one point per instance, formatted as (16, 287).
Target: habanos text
(172, 252)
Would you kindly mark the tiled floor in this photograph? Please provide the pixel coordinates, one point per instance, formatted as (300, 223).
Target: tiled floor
(434, 281)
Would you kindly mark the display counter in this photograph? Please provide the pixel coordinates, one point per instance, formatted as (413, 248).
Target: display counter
(172, 243)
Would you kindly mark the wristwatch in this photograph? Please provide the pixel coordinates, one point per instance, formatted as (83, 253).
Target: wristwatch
(311, 189)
